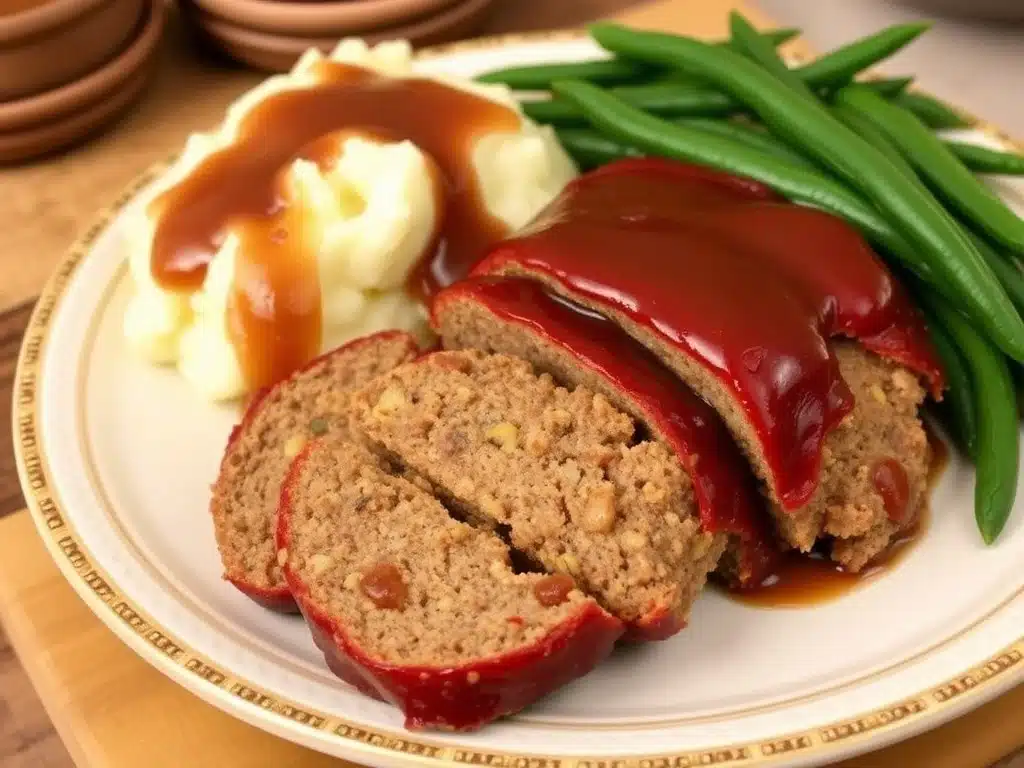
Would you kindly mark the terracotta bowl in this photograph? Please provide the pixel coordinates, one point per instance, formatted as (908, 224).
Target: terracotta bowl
(53, 42)
(277, 53)
(97, 85)
(21, 146)
(318, 19)
(85, 107)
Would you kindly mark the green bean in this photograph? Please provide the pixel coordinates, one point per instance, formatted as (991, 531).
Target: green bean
(749, 42)
(658, 98)
(665, 97)
(747, 134)
(834, 69)
(887, 86)
(978, 204)
(675, 95)
(995, 406)
(958, 400)
(838, 67)
(1005, 270)
(800, 183)
(930, 111)
(538, 77)
(867, 131)
(777, 37)
(984, 160)
(828, 71)
(806, 123)
(590, 149)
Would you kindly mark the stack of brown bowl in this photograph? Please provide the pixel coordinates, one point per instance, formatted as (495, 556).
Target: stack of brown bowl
(272, 34)
(68, 67)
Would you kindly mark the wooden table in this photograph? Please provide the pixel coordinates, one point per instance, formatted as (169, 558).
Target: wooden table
(45, 206)
(48, 203)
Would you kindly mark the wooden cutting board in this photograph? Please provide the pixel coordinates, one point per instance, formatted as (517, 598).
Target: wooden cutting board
(113, 710)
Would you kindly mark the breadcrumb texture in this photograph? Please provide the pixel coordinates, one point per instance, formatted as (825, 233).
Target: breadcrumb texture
(310, 403)
(556, 471)
(415, 607)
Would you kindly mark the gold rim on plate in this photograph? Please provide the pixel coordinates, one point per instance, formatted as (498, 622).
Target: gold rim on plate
(241, 697)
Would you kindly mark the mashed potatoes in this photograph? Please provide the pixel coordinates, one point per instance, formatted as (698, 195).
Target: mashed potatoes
(370, 217)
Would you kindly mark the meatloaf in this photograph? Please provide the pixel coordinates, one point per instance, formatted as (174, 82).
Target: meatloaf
(559, 472)
(874, 478)
(518, 317)
(418, 609)
(275, 426)
(780, 317)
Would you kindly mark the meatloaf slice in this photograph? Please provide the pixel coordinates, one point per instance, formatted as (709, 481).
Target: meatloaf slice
(579, 348)
(559, 472)
(275, 426)
(418, 609)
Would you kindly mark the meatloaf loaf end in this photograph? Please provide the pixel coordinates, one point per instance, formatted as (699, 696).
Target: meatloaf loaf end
(261, 447)
(874, 468)
(747, 298)
(883, 429)
(518, 317)
(416, 608)
(559, 472)
(875, 464)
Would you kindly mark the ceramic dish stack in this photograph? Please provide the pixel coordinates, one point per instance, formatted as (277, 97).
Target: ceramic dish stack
(272, 34)
(69, 67)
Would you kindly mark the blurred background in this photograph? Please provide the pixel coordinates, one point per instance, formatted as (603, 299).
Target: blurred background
(974, 55)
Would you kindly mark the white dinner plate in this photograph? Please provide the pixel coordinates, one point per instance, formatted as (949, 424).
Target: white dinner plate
(117, 457)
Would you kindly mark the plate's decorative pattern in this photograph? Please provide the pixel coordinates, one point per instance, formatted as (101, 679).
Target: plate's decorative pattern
(130, 622)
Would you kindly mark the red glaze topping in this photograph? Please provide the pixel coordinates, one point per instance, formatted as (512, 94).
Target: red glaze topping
(471, 695)
(462, 697)
(274, 307)
(272, 598)
(749, 286)
(890, 480)
(727, 496)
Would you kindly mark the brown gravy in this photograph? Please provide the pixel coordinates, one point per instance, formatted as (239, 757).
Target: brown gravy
(811, 579)
(274, 308)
